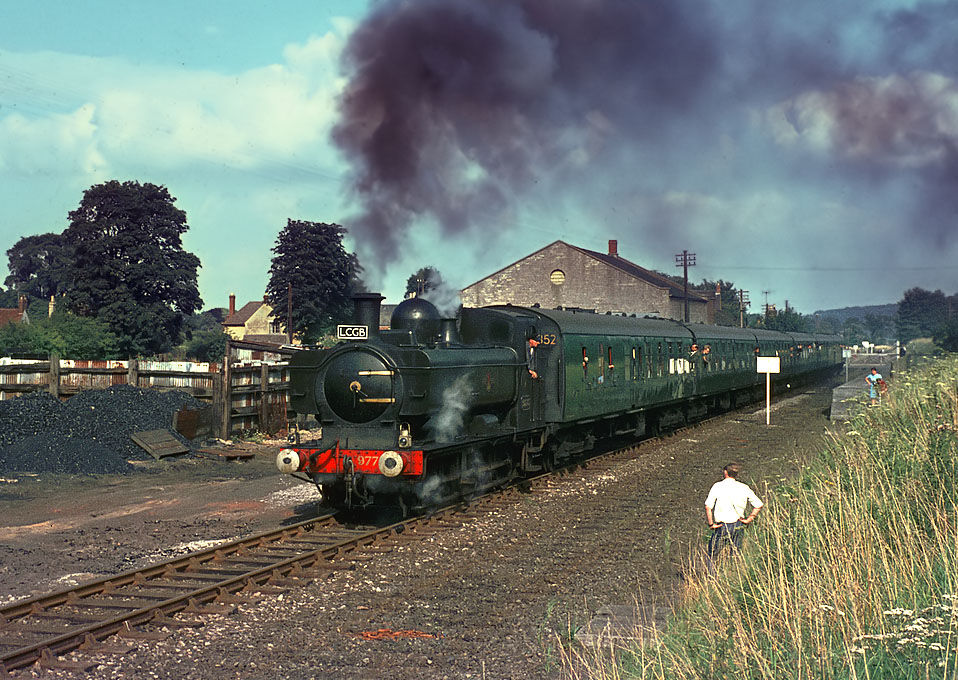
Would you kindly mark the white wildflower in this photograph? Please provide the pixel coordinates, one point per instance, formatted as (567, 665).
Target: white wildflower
(898, 611)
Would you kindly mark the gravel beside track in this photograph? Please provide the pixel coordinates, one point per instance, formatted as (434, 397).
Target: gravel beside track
(87, 434)
(502, 592)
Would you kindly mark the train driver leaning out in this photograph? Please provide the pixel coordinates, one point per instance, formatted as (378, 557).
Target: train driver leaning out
(531, 357)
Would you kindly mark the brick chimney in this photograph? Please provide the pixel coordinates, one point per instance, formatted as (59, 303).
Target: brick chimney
(718, 295)
(613, 247)
(232, 304)
(22, 304)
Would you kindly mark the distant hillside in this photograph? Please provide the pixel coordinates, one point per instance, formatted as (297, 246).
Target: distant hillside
(841, 315)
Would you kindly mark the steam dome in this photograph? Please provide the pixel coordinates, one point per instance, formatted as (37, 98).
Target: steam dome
(418, 315)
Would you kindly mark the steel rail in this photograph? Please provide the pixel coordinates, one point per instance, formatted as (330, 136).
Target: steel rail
(199, 566)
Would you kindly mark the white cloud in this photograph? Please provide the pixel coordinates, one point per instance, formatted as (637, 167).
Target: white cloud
(139, 116)
(905, 120)
(55, 144)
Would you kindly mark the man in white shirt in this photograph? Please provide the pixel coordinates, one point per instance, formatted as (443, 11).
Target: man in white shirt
(725, 509)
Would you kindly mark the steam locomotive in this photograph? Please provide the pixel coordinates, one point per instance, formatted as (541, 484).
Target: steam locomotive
(433, 409)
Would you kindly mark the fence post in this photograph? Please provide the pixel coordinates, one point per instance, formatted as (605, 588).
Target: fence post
(216, 416)
(226, 424)
(54, 379)
(263, 397)
(133, 373)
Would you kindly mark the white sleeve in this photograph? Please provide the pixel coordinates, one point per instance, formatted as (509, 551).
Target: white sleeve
(712, 497)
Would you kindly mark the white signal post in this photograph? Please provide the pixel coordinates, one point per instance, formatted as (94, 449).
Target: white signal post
(768, 365)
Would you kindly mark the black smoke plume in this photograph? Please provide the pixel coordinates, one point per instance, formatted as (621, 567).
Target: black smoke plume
(456, 107)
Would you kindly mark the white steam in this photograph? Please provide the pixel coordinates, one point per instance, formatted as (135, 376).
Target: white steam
(448, 424)
(445, 298)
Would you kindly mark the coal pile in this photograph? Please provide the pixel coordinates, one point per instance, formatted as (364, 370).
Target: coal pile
(88, 434)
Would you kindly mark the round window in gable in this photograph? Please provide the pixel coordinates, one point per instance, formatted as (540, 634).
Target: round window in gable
(557, 277)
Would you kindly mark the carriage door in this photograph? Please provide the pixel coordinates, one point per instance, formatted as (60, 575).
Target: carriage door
(536, 367)
(635, 370)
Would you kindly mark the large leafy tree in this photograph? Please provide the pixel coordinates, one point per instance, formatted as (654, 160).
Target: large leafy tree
(920, 313)
(946, 335)
(8, 298)
(129, 267)
(39, 266)
(309, 259)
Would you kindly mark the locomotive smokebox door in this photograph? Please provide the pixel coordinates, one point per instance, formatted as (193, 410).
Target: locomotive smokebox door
(358, 385)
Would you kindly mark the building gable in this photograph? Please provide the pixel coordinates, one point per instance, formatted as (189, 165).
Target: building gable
(563, 275)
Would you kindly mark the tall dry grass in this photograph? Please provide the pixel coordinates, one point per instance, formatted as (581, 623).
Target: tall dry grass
(851, 572)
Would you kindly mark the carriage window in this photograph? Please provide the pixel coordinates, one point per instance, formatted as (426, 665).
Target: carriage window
(611, 365)
(636, 361)
(601, 365)
(660, 366)
(585, 364)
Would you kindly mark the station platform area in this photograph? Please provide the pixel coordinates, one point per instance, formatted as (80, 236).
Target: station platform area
(853, 393)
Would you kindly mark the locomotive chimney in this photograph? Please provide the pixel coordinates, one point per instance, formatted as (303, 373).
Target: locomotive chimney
(613, 247)
(448, 333)
(366, 311)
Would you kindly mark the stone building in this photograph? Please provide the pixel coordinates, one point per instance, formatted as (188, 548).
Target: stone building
(253, 323)
(563, 275)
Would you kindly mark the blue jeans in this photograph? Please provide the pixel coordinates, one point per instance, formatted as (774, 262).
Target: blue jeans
(729, 533)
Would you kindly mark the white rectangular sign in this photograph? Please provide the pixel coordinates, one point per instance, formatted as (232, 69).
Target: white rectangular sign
(769, 364)
(347, 332)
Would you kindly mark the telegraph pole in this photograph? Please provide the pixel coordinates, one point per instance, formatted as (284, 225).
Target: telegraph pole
(766, 292)
(743, 302)
(685, 260)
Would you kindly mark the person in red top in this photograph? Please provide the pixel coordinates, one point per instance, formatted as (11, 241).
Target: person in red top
(875, 383)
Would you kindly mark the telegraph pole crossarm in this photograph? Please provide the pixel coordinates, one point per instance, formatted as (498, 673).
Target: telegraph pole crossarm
(685, 260)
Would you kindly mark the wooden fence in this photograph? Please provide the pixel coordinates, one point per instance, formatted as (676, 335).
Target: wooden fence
(248, 391)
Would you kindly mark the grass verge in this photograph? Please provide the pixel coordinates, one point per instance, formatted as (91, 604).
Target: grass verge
(851, 571)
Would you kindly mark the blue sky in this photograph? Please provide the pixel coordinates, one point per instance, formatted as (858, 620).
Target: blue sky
(808, 152)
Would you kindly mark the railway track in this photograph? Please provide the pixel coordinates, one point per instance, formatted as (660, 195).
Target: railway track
(113, 614)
